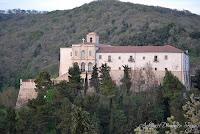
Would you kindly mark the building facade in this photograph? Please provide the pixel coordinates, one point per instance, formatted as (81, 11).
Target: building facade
(91, 52)
(138, 58)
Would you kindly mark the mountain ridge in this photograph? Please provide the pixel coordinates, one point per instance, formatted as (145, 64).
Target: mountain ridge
(30, 43)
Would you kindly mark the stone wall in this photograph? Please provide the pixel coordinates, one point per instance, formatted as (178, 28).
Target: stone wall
(26, 92)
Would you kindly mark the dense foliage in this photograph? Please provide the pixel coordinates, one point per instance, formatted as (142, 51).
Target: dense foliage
(31, 42)
(68, 107)
(197, 79)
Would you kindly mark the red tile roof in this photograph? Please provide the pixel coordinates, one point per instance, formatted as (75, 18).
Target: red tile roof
(138, 49)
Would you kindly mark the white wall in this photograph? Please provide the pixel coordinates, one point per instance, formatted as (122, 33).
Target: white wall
(186, 70)
(177, 63)
(173, 63)
(65, 60)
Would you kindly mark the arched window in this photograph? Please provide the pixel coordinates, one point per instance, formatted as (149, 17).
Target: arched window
(83, 54)
(82, 67)
(75, 53)
(90, 39)
(90, 67)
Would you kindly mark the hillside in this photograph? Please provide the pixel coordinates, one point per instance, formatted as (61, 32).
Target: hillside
(30, 43)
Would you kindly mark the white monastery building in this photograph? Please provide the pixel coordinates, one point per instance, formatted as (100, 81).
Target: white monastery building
(91, 52)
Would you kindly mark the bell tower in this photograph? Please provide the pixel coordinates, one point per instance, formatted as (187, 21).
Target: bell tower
(92, 38)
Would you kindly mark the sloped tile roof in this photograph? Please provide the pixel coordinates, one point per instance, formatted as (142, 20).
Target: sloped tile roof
(138, 49)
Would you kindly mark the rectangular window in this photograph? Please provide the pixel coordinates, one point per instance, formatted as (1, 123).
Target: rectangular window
(82, 54)
(100, 56)
(90, 39)
(90, 53)
(156, 58)
(131, 59)
(143, 57)
(75, 53)
(70, 53)
(166, 57)
(119, 57)
(109, 58)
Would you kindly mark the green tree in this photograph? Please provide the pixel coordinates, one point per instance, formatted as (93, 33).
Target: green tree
(3, 120)
(75, 80)
(63, 115)
(25, 122)
(192, 110)
(91, 102)
(126, 80)
(43, 117)
(119, 120)
(11, 120)
(43, 83)
(82, 122)
(107, 86)
(172, 86)
(172, 93)
(86, 84)
(197, 79)
(65, 91)
(94, 81)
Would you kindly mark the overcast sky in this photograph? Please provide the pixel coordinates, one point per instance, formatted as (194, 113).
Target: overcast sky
(49, 5)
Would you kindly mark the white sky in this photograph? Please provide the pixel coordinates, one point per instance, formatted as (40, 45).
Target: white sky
(49, 5)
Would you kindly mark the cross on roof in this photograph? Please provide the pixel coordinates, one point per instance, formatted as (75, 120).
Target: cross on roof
(83, 40)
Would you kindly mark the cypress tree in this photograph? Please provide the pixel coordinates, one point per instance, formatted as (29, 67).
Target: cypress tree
(172, 93)
(94, 81)
(107, 87)
(126, 80)
(172, 86)
(86, 84)
(171, 82)
(75, 80)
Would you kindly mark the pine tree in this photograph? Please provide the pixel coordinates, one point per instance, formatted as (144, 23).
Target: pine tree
(94, 81)
(75, 80)
(43, 83)
(86, 84)
(172, 93)
(171, 82)
(172, 86)
(107, 87)
(126, 80)
(81, 122)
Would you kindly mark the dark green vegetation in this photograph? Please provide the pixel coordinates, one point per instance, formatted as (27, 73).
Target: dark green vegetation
(31, 42)
(197, 79)
(69, 108)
